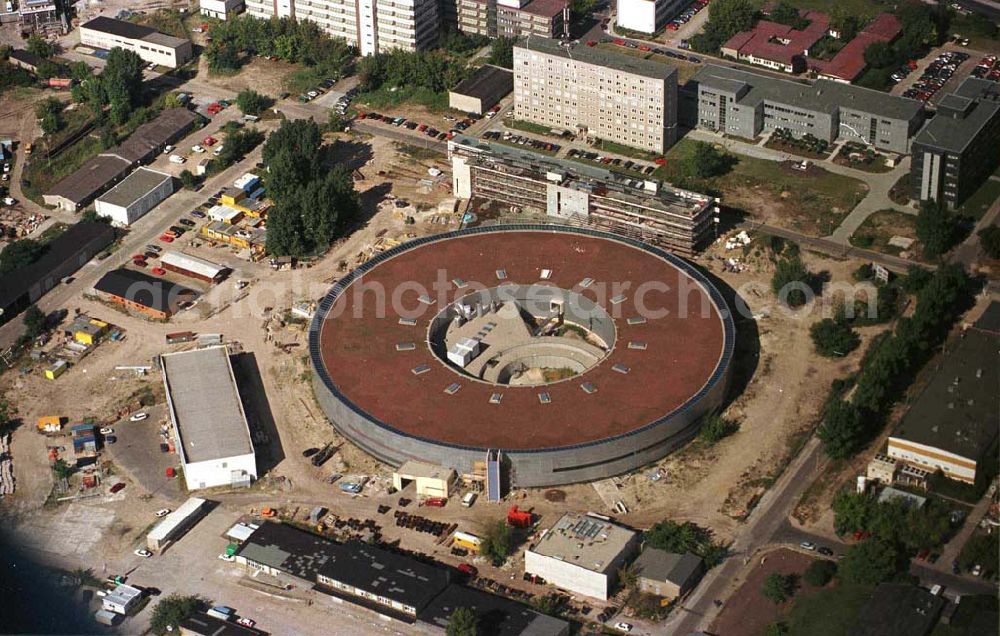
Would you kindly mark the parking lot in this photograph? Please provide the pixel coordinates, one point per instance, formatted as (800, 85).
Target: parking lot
(141, 450)
(934, 76)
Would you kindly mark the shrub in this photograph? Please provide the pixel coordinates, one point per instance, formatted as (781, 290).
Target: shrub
(779, 587)
(819, 573)
(834, 338)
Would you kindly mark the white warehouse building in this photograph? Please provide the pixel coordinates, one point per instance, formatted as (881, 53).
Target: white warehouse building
(131, 199)
(210, 427)
(582, 554)
(149, 44)
(221, 9)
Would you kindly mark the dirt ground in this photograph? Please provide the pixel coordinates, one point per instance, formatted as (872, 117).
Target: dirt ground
(261, 74)
(748, 612)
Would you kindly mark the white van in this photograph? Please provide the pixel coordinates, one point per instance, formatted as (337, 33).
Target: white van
(177, 159)
(469, 499)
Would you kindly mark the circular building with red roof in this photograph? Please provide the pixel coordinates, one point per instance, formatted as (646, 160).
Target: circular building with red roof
(576, 354)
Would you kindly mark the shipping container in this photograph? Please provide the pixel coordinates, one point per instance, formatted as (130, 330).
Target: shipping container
(180, 336)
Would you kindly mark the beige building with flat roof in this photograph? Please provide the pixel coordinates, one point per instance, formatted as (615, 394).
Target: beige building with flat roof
(596, 93)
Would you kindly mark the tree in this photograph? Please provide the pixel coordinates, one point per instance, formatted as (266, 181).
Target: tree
(989, 239)
(790, 281)
(937, 229)
(706, 161)
(8, 416)
(581, 8)
(462, 622)
(496, 545)
(250, 102)
(726, 18)
(20, 253)
(778, 587)
(169, 612)
(223, 59)
(833, 338)
(62, 469)
(715, 428)
(49, 111)
(785, 13)
(502, 52)
(915, 280)
(880, 55)
(843, 431)
(336, 122)
(819, 573)
(37, 45)
(871, 562)
(188, 180)
(34, 321)
(671, 536)
(980, 549)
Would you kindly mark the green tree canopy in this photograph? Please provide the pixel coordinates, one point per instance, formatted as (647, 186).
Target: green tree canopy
(790, 281)
(833, 338)
(496, 543)
(871, 562)
(250, 102)
(779, 587)
(936, 229)
(462, 622)
(39, 46)
(671, 536)
(989, 239)
(843, 429)
(819, 572)
(20, 253)
(726, 18)
(34, 321)
(169, 612)
(502, 52)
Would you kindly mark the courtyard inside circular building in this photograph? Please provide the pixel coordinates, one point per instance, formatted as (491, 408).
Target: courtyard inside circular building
(575, 354)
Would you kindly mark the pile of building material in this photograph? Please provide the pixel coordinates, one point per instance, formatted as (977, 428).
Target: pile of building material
(6, 467)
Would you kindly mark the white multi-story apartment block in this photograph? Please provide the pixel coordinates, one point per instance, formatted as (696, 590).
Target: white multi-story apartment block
(374, 26)
(647, 16)
(596, 93)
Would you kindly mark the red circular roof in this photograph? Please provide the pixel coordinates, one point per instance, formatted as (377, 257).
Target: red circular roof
(360, 356)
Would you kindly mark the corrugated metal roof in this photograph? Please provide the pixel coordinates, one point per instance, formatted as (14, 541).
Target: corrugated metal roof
(192, 264)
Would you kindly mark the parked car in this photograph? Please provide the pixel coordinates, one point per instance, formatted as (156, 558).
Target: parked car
(140, 416)
(807, 545)
(107, 431)
(245, 622)
(120, 486)
(143, 553)
(197, 214)
(825, 551)
(111, 439)
(166, 238)
(163, 512)
(158, 271)
(465, 568)
(623, 626)
(226, 557)
(186, 222)
(197, 148)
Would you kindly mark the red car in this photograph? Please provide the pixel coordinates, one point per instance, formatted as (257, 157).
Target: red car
(158, 271)
(138, 257)
(209, 141)
(592, 43)
(118, 487)
(361, 115)
(422, 127)
(660, 161)
(465, 568)
(643, 47)
(435, 502)
(139, 263)
(166, 239)
(619, 42)
(214, 108)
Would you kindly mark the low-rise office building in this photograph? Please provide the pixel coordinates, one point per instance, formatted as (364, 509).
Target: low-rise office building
(153, 297)
(509, 18)
(577, 193)
(221, 9)
(582, 554)
(482, 90)
(193, 266)
(746, 104)
(210, 427)
(429, 480)
(149, 44)
(668, 574)
(952, 425)
(647, 16)
(131, 199)
(960, 146)
(595, 93)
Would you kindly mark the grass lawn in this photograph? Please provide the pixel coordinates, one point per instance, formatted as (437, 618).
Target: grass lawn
(813, 202)
(384, 98)
(981, 200)
(625, 151)
(829, 612)
(878, 228)
(529, 127)
(43, 174)
(966, 26)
